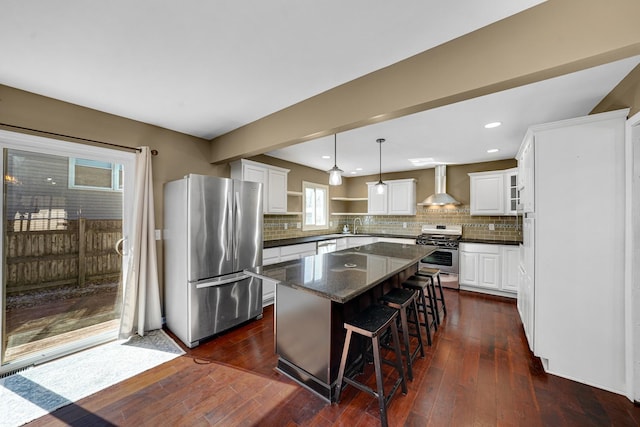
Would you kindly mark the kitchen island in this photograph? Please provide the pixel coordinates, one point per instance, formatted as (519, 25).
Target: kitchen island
(315, 295)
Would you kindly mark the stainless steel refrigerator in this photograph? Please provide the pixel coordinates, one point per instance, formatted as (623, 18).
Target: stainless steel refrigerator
(212, 231)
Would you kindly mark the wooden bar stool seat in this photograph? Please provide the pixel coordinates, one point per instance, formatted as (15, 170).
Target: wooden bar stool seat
(405, 301)
(372, 323)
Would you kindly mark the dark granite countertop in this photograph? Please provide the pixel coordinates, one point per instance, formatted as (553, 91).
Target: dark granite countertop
(322, 237)
(343, 275)
(491, 242)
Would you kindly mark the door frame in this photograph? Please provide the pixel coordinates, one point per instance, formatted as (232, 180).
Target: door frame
(632, 257)
(44, 145)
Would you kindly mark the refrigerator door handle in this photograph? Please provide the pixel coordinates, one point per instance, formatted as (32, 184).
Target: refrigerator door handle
(236, 220)
(236, 277)
(229, 231)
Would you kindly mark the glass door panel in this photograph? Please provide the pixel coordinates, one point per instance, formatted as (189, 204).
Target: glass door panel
(63, 219)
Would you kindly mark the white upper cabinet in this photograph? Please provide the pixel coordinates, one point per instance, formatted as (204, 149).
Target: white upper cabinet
(494, 192)
(376, 203)
(273, 179)
(526, 173)
(398, 199)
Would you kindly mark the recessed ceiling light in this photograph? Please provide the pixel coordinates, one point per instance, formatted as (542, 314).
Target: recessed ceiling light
(358, 169)
(353, 172)
(492, 125)
(493, 150)
(326, 157)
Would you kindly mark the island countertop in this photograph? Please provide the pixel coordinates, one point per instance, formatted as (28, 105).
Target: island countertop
(343, 275)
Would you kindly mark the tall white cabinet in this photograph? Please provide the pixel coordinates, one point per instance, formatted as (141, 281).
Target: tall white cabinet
(571, 279)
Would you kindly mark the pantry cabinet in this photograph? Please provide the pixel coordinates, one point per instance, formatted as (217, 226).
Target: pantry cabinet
(273, 179)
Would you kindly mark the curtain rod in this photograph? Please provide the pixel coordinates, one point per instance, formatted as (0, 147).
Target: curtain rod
(153, 152)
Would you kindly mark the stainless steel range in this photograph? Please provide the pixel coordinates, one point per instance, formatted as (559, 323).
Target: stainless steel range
(445, 237)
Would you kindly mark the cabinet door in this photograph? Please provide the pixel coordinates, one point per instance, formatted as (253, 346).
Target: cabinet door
(468, 269)
(257, 174)
(377, 203)
(487, 194)
(489, 270)
(402, 198)
(277, 192)
(510, 262)
(353, 242)
(512, 193)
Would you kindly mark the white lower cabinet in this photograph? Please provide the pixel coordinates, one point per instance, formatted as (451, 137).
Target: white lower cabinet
(489, 268)
(397, 240)
(353, 242)
(281, 254)
(510, 265)
(269, 256)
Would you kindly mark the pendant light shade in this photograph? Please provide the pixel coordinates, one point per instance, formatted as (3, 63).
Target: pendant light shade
(335, 173)
(380, 186)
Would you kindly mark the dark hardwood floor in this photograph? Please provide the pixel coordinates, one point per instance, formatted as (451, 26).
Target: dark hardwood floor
(479, 372)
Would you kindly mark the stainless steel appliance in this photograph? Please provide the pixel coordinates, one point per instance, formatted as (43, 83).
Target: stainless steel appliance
(213, 230)
(445, 258)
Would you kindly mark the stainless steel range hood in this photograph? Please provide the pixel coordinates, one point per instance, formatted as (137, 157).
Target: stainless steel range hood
(440, 197)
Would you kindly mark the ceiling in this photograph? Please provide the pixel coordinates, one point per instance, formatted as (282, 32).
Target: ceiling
(455, 133)
(206, 67)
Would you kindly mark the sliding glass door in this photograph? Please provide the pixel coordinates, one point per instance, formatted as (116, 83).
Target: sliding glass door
(65, 216)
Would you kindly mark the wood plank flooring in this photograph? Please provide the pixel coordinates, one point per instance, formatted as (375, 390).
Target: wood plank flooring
(479, 372)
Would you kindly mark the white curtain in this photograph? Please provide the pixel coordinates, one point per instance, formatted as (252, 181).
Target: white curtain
(141, 304)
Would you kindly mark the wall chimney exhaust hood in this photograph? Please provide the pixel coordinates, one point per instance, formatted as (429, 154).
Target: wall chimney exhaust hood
(440, 197)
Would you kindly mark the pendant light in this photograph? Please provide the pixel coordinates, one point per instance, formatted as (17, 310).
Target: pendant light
(380, 186)
(335, 173)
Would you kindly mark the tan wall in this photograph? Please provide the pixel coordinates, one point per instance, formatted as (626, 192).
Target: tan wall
(625, 95)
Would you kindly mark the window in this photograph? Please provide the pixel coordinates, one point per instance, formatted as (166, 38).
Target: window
(95, 175)
(316, 206)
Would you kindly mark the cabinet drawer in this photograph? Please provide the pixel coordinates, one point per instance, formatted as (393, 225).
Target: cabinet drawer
(480, 248)
(297, 249)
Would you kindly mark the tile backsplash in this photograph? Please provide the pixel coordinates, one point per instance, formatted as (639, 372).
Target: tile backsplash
(505, 228)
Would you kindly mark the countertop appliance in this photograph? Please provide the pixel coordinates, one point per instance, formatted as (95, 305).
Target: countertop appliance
(213, 231)
(446, 258)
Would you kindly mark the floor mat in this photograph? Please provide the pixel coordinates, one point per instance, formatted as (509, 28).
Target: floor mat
(32, 393)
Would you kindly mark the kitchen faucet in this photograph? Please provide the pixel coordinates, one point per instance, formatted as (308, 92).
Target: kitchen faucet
(355, 227)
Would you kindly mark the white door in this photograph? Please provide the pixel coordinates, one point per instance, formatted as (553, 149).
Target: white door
(66, 211)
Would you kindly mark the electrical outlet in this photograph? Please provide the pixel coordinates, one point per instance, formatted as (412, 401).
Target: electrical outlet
(298, 224)
(286, 225)
(158, 235)
(404, 225)
(492, 227)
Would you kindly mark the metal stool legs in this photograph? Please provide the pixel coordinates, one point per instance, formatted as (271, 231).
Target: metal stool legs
(404, 300)
(432, 274)
(372, 323)
(426, 303)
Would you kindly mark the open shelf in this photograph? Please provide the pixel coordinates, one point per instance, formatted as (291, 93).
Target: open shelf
(350, 199)
(294, 193)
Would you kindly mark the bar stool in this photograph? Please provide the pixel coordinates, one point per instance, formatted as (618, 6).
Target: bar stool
(433, 273)
(405, 300)
(372, 323)
(426, 302)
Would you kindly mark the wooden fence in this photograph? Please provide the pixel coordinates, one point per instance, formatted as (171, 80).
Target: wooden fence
(82, 253)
